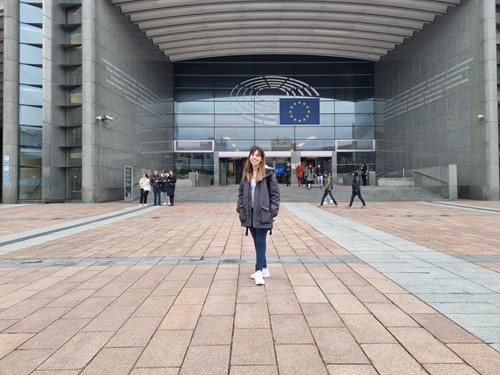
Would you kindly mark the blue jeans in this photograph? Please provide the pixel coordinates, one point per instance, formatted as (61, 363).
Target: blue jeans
(157, 196)
(259, 239)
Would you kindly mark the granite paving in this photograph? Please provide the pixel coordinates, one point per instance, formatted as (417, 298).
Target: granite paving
(113, 288)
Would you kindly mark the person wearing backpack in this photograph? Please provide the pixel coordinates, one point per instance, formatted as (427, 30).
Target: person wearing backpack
(356, 190)
(257, 206)
(327, 189)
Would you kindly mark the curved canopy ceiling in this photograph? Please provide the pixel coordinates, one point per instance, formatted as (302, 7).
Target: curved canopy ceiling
(361, 29)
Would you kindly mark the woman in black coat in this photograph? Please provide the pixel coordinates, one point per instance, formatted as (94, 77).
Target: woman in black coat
(171, 181)
(258, 204)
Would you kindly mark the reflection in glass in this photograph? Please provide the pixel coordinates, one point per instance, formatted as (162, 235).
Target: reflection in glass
(313, 132)
(74, 15)
(193, 120)
(74, 157)
(74, 76)
(195, 133)
(74, 136)
(194, 107)
(30, 183)
(30, 136)
(30, 95)
(74, 36)
(30, 156)
(30, 75)
(30, 34)
(74, 116)
(315, 145)
(74, 96)
(30, 14)
(233, 133)
(30, 54)
(355, 145)
(74, 55)
(270, 132)
(186, 162)
(233, 145)
(30, 115)
(74, 183)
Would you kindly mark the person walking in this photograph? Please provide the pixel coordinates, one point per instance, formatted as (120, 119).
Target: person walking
(145, 186)
(288, 174)
(356, 190)
(172, 180)
(156, 185)
(299, 172)
(309, 176)
(257, 206)
(327, 189)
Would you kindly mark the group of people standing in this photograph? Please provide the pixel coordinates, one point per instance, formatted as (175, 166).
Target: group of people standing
(162, 185)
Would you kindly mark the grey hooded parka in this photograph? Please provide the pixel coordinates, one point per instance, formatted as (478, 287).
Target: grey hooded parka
(266, 202)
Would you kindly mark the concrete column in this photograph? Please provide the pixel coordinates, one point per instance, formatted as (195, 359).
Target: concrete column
(10, 103)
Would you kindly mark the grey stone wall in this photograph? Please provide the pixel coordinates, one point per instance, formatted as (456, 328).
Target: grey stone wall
(435, 85)
(128, 78)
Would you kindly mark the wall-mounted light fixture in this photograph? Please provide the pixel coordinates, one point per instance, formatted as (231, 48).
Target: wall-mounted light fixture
(480, 117)
(104, 118)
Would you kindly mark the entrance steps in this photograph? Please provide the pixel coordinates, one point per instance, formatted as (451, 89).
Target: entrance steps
(342, 194)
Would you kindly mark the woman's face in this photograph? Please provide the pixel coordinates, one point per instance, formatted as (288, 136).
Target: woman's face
(255, 159)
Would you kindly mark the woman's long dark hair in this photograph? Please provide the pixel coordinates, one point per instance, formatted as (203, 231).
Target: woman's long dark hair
(248, 169)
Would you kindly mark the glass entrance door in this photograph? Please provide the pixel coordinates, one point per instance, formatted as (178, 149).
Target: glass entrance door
(230, 171)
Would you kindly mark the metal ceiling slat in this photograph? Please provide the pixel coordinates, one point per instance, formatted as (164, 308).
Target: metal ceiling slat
(365, 29)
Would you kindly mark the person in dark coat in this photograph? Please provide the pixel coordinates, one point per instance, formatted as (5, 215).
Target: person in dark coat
(364, 173)
(172, 180)
(155, 179)
(356, 190)
(258, 205)
(327, 189)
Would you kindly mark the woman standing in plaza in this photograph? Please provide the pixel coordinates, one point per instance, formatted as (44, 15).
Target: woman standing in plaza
(145, 187)
(258, 205)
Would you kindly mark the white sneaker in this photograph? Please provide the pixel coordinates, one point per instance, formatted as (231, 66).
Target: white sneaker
(266, 273)
(140, 204)
(259, 279)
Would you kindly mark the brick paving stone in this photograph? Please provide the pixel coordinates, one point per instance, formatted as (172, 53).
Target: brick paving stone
(89, 308)
(156, 371)
(10, 342)
(21, 362)
(290, 329)
(392, 359)
(71, 299)
(251, 294)
(351, 370)
(333, 286)
(321, 316)
(346, 304)
(444, 329)
(110, 319)
(390, 315)
(77, 352)
(283, 304)
(206, 360)
(167, 348)
(386, 286)
(481, 357)
(24, 308)
(213, 330)
(337, 346)
(423, 346)
(38, 320)
(252, 370)
(310, 294)
(154, 306)
(56, 372)
(366, 329)
(446, 369)
(56, 335)
(367, 294)
(219, 305)
(252, 347)
(181, 317)
(410, 304)
(251, 316)
(136, 331)
(112, 361)
(191, 296)
(223, 287)
(299, 360)
(276, 287)
(169, 288)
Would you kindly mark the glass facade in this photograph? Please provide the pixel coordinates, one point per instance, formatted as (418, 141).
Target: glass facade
(498, 69)
(30, 100)
(282, 103)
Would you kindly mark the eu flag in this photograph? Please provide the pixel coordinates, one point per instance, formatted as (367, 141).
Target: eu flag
(303, 111)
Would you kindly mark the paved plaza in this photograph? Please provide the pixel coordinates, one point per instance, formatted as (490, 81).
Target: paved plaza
(400, 288)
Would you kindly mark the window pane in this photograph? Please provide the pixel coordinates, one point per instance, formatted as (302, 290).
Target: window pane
(283, 132)
(74, 96)
(74, 157)
(233, 133)
(74, 15)
(30, 95)
(30, 156)
(30, 115)
(233, 145)
(30, 75)
(195, 133)
(74, 137)
(74, 76)
(30, 183)
(30, 54)
(194, 107)
(316, 132)
(193, 120)
(314, 145)
(74, 183)
(234, 120)
(30, 14)
(30, 34)
(74, 55)
(74, 116)
(30, 136)
(75, 36)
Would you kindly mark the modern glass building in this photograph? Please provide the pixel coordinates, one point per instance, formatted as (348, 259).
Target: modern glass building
(95, 93)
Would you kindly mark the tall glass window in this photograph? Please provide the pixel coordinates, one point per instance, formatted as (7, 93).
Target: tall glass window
(30, 100)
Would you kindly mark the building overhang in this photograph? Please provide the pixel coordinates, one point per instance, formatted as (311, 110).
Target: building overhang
(363, 29)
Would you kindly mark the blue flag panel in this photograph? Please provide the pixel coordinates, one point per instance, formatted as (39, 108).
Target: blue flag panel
(304, 111)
